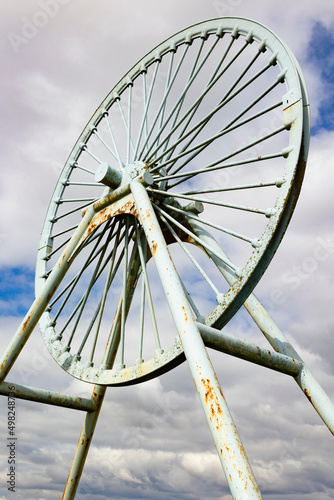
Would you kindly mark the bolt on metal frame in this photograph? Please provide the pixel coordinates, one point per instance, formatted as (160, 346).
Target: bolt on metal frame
(209, 129)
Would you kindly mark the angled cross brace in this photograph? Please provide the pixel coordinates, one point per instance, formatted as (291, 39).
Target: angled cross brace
(47, 397)
(280, 360)
(229, 344)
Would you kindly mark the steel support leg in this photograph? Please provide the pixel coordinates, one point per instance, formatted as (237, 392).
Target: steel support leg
(88, 428)
(85, 439)
(306, 381)
(228, 444)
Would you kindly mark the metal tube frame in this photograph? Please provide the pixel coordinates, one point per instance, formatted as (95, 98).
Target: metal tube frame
(306, 381)
(84, 441)
(193, 336)
(238, 472)
(46, 397)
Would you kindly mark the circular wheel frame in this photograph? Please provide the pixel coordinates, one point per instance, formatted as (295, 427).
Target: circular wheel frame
(215, 122)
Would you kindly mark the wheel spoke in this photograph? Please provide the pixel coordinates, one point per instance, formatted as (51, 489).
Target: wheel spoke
(94, 253)
(144, 73)
(106, 117)
(268, 212)
(64, 231)
(194, 107)
(126, 125)
(198, 315)
(93, 184)
(214, 166)
(87, 293)
(76, 200)
(144, 119)
(80, 167)
(152, 154)
(226, 130)
(84, 148)
(124, 298)
(70, 212)
(277, 183)
(193, 260)
(196, 238)
(223, 102)
(252, 241)
(141, 322)
(240, 77)
(115, 155)
(191, 78)
(162, 114)
(162, 104)
(147, 289)
(100, 308)
(129, 140)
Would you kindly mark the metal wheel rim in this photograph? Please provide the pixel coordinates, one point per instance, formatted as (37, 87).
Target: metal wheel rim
(295, 101)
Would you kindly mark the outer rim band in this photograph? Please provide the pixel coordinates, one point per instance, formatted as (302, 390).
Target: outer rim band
(274, 230)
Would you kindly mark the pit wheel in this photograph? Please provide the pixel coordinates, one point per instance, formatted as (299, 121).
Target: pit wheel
(217, 115)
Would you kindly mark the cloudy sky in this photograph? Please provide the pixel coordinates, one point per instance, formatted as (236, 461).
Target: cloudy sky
(152, 440)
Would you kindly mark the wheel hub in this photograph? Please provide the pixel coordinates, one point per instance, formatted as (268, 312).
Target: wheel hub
(133, 170)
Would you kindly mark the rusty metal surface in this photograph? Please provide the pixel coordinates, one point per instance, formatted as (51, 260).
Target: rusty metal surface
(121, 206)
(83, 445)
(47, 397)
(107, 207)
(223, 342)
(113, 203)
(228, 444)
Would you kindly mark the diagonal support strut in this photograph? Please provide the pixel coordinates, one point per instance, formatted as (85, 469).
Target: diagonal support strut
(228, 444)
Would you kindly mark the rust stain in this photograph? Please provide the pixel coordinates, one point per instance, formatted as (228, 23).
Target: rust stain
(118, 208)
(154, 247)
(27, 321)
(290, 115)
(308, 395)
(211, 399)
(211, 396)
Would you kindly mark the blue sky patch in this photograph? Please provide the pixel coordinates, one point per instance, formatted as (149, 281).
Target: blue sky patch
(16, 290)
(321, 55)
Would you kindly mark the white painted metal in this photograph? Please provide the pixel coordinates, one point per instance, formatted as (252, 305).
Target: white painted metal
(237, 469)
(120, 194)
(197, 156)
